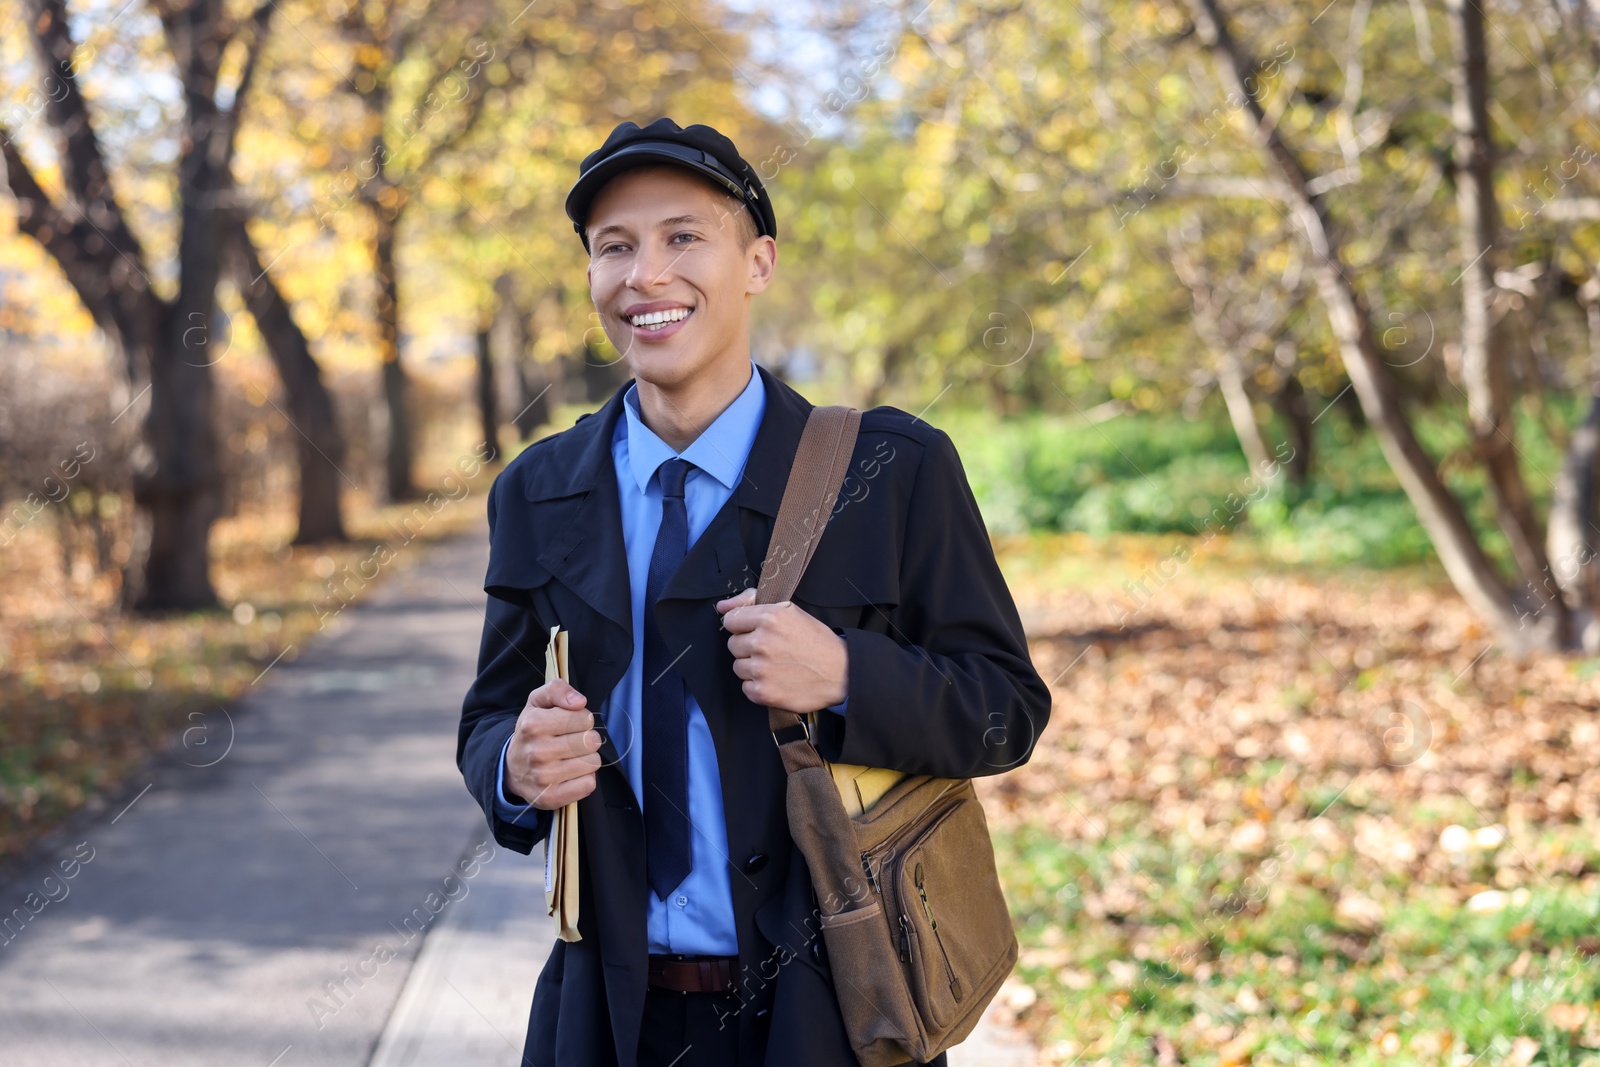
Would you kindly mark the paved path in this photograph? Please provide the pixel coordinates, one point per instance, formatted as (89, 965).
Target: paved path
(222, 900)
(466, 1000)
(306, 882)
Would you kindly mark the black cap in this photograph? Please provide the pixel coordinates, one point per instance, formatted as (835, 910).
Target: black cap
(699, 148)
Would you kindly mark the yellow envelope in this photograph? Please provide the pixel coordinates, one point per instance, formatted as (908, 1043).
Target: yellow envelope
(561, 850)
(860, 787)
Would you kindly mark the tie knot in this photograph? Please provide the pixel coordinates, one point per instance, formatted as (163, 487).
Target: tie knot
(673, 473)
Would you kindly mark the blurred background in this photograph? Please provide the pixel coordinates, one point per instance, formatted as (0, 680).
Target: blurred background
(1269, 335)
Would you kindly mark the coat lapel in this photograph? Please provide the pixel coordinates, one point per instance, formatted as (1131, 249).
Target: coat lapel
(725, 559)
(586, 553)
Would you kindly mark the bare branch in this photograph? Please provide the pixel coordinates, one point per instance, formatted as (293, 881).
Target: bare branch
(83, 167)
(259, 24)
(1419, 18)
(75, 246)
(1354, 75)
(1573, 209)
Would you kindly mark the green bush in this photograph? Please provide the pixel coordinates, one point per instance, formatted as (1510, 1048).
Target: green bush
(1044, 473)
(1179, 496)
(1168, 474)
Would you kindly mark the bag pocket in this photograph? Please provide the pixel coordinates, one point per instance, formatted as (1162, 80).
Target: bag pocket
(954, 912)
(870, 986)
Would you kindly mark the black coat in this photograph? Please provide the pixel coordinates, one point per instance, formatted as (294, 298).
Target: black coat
(940, 683)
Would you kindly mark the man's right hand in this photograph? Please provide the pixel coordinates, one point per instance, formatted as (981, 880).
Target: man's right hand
(554, 751)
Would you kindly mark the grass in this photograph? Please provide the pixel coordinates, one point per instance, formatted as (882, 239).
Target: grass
(1221, 854)
(1268, 970)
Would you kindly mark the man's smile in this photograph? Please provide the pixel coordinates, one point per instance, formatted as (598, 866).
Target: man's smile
(657, 320)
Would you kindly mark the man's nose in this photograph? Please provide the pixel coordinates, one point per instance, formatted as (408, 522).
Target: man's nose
(652, 266)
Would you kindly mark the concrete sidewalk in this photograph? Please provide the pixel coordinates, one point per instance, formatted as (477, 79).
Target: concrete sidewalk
(305, 881)
(467, 998)
(233, 903)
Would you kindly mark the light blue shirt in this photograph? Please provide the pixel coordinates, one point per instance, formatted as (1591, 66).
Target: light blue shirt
(697, 917)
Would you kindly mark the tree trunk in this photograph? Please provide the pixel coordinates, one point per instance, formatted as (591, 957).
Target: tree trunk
(488, 400)
(601, 379)
(894, 357)
(179, 486)
(1218, 326)
(1572, 511)
(1290, 401)
(1241, 412)
(1438, 509)
(396, 393)
(523, 389)
(319, 445)
(540, 388)
(1484, 362)
(1350, 404)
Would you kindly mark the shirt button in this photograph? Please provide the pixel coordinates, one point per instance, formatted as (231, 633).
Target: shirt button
(682, 901)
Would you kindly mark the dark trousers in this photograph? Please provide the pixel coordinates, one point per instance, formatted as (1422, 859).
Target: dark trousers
(689, 1029)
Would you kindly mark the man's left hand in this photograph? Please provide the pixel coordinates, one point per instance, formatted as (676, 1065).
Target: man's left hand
(788, 659)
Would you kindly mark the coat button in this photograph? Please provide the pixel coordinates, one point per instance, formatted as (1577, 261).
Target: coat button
(754, 862)
(816, 950)
(764, 1017)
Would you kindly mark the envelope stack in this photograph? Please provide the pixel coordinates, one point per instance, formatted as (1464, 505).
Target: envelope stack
(561, 848)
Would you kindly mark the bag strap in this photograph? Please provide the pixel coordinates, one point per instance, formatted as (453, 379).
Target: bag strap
(820, 464)
(814, 482)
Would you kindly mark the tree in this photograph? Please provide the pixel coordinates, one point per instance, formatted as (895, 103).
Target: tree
(1485, 354)
(1232, 332)
(164, 342)
(319, 444)
(1533, 614)
(436, 50)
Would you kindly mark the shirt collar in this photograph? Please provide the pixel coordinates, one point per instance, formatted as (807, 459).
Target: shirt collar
(720, 450)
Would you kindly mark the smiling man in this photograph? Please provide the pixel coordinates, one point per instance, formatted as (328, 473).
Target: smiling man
(641, 531)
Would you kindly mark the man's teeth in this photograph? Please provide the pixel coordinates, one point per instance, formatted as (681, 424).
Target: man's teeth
(657, 319)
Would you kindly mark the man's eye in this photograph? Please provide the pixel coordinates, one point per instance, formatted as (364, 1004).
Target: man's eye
(608, 248)
(691, 236)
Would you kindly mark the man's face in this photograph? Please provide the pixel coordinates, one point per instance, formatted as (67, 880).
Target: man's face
(663, 245)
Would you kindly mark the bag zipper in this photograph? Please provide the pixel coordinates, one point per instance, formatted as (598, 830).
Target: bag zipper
(872, 877)
(868, 855)
(922, 891)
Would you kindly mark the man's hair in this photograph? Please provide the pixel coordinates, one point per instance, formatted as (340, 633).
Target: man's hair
(734, 211)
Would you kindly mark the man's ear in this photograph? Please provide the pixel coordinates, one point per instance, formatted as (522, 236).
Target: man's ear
(763, 263)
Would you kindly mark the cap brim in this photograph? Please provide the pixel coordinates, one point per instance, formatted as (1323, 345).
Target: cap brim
(629, 156)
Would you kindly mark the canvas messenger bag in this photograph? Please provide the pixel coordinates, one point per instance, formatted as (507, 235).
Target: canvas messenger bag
(912, 916)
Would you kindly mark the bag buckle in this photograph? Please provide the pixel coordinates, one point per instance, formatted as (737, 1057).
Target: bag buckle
(787, 734)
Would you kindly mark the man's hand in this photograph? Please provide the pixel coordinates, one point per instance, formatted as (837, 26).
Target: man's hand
(554, 753)
(788, 659)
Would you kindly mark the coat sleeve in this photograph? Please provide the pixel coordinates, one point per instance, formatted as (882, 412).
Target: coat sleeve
(950, 690)
(489, 713)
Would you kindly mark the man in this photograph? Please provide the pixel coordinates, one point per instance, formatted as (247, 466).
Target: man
(641, 530)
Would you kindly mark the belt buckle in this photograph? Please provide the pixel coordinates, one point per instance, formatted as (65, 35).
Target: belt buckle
(805, 726)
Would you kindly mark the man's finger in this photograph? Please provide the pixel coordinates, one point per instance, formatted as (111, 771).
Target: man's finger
(742, 622)
(556, 694)
(738, 600)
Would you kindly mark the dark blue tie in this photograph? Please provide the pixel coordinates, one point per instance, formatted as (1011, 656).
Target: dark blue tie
(665, 712)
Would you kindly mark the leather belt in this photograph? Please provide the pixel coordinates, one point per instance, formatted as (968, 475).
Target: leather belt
(693, 974)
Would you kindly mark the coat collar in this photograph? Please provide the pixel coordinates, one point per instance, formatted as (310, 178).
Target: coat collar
(579, 459)
(574, 514)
